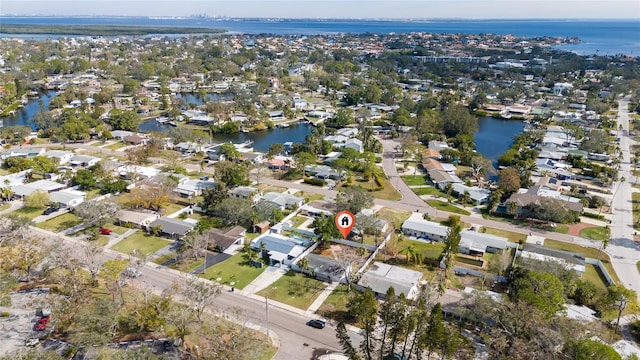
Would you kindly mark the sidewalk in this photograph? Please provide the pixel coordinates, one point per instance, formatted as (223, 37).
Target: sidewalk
(322, 297)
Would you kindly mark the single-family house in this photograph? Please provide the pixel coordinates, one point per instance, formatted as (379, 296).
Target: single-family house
(68, 197)
(355, 144)
(202, 120)
(276, 115)
(318, 208)
(62, 156)
(380, 277)
(324, 172)
(243, 192)
(172, 228)
(477, 195)
(476, 243)
(282, 201)
(134, 140)
(191, 188)
(21, 190)
(189, 147)
(22, 152)
(442, 179)
(420, 228)
(221, 240)
(281, 249)
(121, 134)
(324, 268)
(137, 219)
(84, 160)
(570, 260)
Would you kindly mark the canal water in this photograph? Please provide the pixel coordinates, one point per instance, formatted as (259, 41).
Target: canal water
(493, 138)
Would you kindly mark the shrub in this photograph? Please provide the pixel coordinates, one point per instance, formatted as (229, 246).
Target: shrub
(593, 216)
(4, 314)
(312, 181)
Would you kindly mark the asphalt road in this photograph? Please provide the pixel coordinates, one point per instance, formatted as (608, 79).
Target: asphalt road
(286, 327)
(623, 249)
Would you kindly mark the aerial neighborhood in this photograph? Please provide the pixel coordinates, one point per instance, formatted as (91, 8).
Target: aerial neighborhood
(153, 183)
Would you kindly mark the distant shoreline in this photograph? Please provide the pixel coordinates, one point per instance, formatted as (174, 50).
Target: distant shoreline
(102, 30)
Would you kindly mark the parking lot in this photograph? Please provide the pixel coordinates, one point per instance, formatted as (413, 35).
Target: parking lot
(18, 326)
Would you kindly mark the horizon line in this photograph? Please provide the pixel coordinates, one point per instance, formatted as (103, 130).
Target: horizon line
(195, 16)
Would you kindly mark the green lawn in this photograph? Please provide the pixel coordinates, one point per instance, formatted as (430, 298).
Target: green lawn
(512, 236)
(445, 206)
(5, 206)
(388, 192)
(335, 306)
(636, 213)
(187, 265)
(170, 208)
(294, 289)
(297, 221)
(586, 251)
(415, 180)
(394, 217)
(465, 260)
(561, 228)
(592, 274)
(60, 223)
(595, 233)
(146, 244)
(428, 190)
(236, 269)
(311, 197)
(115, 146)
(428, 250)
(29, 212)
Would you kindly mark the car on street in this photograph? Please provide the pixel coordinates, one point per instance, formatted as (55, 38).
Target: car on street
(318, 324)
(105, 231)
(42, 323)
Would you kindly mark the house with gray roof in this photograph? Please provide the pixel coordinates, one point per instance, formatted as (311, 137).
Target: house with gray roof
(476, 243)
(380, 277)
(172, 228)
(84, 160)
(282, 201)
(40, 185)
(324, 268)
(22, 152)
(355, 144)
(281, 249)
(477, 195)
(62, 156)
(191, 188)
(420, 228)
(121, 134)
(243, 192)
(221, 240)
(138, 219)
(68, 197)
(570, 260)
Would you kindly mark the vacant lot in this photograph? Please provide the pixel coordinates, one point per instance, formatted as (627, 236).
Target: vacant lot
(146, 244)
(415, 180)
(294, 289)
(445, 206)
(235, 269)
(60, 223)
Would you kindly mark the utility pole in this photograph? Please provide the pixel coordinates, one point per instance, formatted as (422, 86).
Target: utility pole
(266, 308)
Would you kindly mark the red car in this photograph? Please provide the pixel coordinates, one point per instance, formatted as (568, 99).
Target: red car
(42, 323)
(105, 231)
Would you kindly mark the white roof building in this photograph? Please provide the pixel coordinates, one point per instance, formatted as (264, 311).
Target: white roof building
(380, 277)
(418, 227)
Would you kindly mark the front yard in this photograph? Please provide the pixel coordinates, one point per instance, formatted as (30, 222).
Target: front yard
(335, 306)
(60, 223)
(445, 206)
(144, 243)
(29, 212)
(235, 269)
(294, 289)
(510, 235)
(415, 180)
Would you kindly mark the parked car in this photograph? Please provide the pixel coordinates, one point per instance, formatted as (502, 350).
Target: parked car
(42, 323)
(204, 177)
(50, 210)
(318, 324)
(31, 341)
(105, 231)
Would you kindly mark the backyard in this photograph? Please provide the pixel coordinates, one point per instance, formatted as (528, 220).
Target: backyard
(60, 223)
(235, 269)
(294, 289)
(586, 251)
(144, 243)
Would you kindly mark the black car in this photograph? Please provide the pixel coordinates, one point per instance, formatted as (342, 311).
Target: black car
(318, 324)
(50, 210)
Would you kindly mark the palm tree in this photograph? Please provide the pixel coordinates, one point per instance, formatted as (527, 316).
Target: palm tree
(303, 264)
(413, 255)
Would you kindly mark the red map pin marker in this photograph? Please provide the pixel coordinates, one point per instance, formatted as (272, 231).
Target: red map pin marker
(344, 222)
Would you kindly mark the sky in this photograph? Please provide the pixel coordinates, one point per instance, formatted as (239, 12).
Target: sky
(406, 9)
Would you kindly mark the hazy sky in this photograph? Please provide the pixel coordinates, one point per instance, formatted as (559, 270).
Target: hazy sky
(470, 9)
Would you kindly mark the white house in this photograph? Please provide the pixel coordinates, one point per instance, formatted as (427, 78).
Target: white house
(473, 242)
(64, 157)
(420, 228)
(84, 160)
(355, 144)
(68, 197)
(380, 277)
(281, 249)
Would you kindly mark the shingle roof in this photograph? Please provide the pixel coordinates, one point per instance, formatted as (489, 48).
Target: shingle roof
(173, 226)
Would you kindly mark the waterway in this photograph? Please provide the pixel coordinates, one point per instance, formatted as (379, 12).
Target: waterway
(23, 116)
(495, 136)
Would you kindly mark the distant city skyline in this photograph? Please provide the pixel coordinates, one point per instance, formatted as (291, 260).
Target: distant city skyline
(383, 9)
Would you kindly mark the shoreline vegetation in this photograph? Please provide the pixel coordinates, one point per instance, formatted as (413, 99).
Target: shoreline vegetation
(102, 30)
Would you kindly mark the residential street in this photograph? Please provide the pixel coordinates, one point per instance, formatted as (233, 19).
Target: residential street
(624, 251)
(286, 327)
